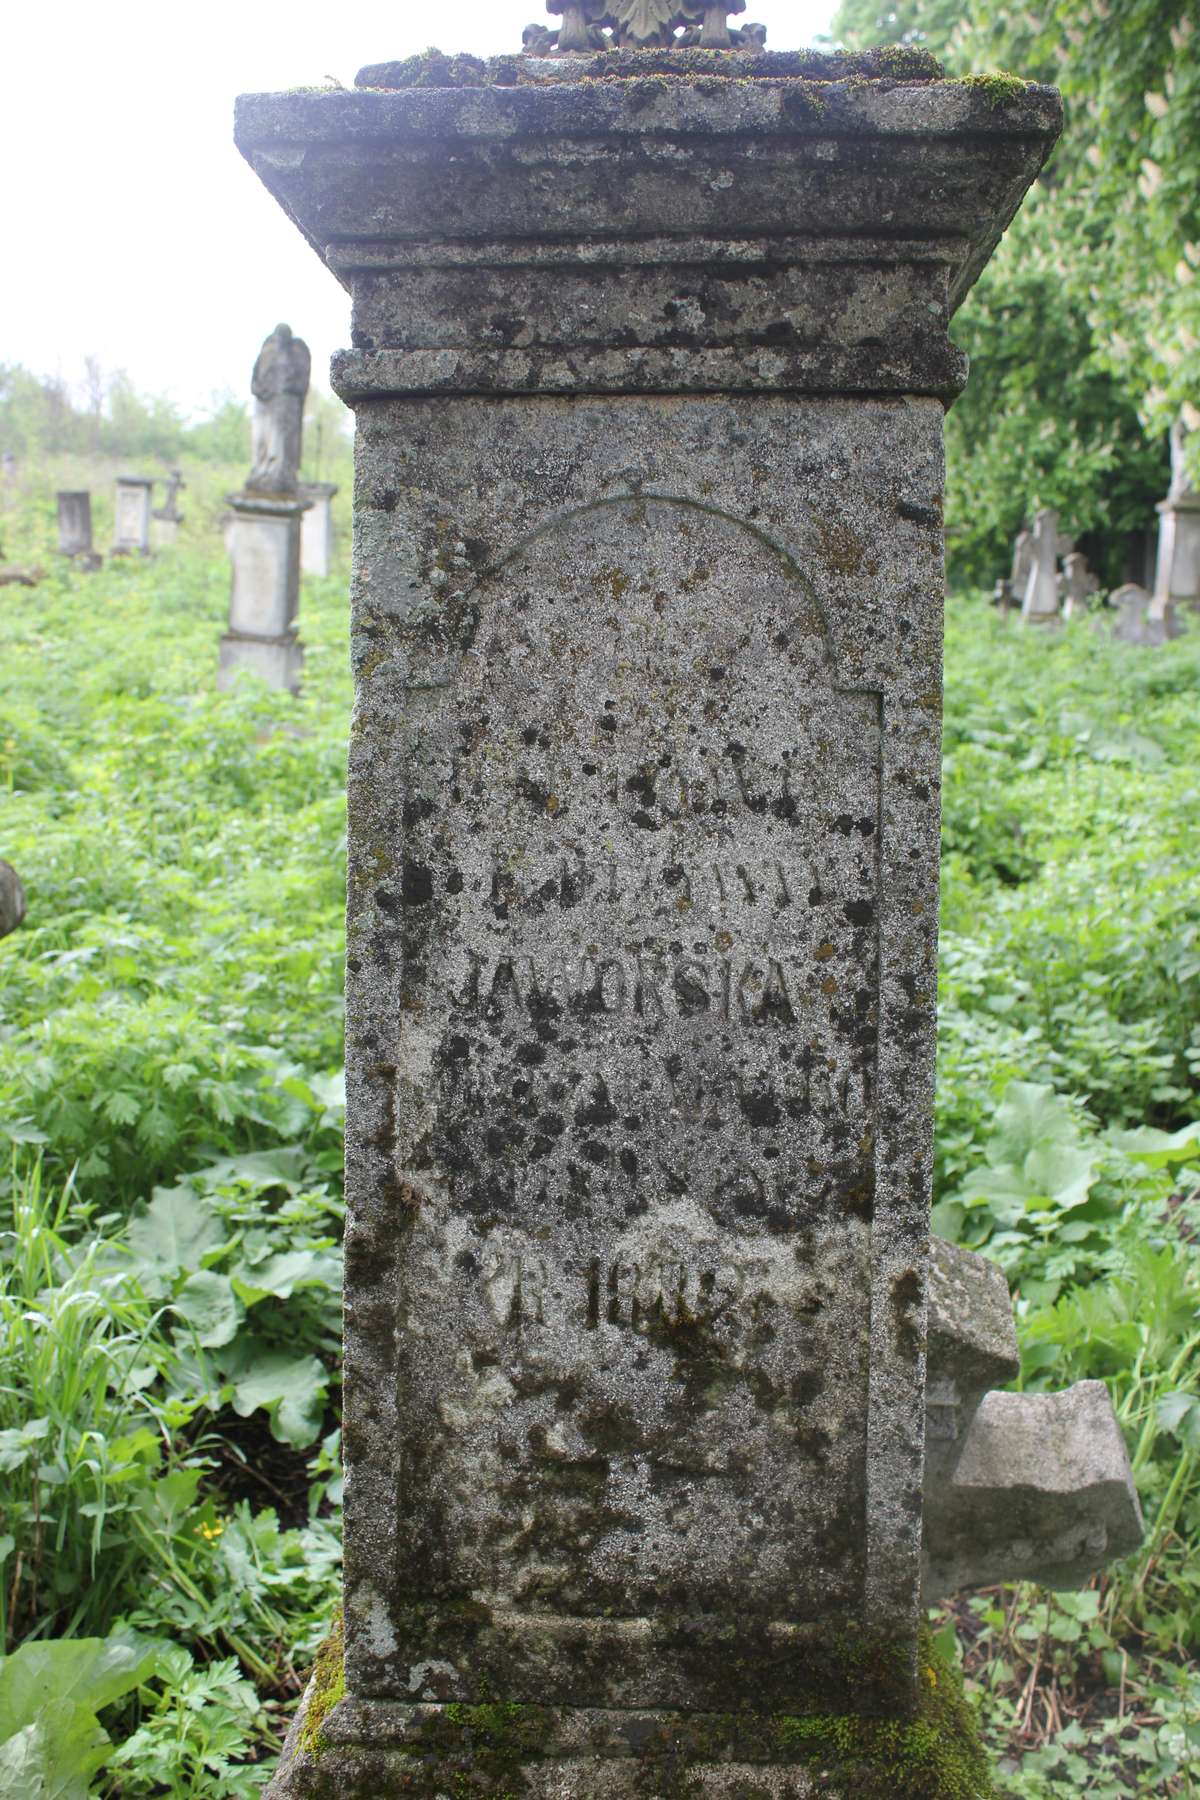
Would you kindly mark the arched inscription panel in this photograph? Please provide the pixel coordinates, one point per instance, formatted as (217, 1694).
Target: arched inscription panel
(635, 1099)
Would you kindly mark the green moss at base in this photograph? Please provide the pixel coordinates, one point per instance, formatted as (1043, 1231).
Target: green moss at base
(937, 1755)
(998, 86)
(328, 1687)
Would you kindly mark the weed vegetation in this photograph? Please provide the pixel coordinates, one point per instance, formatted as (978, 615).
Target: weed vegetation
(170, 1209)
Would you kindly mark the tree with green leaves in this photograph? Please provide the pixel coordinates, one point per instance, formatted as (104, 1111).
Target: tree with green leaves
(1084, 331)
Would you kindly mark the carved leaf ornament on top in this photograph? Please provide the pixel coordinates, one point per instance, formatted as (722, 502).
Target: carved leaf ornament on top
(589, 25)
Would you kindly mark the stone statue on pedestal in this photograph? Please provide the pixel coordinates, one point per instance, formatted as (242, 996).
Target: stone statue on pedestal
(279, 385)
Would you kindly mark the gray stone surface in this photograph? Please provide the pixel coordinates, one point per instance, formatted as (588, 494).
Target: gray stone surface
(131, 524)
(1041, 1490)
(316, 530)
(1034, 1487)
(279, 385)
(12, 899)
(263, 531)
(166, 519)
(265, 598)
(75, 523)
(649, 379)
(1143, 618)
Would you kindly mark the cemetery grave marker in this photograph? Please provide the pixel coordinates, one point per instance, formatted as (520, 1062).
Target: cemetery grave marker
(649, 380)
(265, 536)
(132, 515)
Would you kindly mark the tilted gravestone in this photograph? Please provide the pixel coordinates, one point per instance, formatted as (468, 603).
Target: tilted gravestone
(264, 542)
(1078, 584)
(649, 374)
(75, 527)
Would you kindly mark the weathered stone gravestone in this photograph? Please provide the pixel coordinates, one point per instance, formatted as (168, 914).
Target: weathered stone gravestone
(75, 527)
(131, 526)
(1040, 600)
(167, 518)
(1143, 618)
(1177, 572)
(649, 381)
(316, 532)
(265, 547)
(1078, 584)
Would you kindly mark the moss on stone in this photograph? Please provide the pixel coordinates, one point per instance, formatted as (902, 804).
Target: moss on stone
(936, 1755)
(998, 86)
(328, 1687)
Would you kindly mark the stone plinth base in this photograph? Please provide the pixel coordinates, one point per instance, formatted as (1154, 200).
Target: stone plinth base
(266, 565)
(342, 1748)
(164, 533)
(279, 661)
(1177, 573)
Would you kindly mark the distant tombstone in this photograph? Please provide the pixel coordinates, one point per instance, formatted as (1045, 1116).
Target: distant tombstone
(316, 533)
(131, 533)
(8, 466)
(1177, 571)
(1040, 602)
(75, 527)
(1022, 562)
(1003, 598)
(1079, 583)
(167, 518)
(12, 899)
(1143, 618)
(265, 598)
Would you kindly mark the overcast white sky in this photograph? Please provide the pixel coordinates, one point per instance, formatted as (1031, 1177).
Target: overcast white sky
(133, 229)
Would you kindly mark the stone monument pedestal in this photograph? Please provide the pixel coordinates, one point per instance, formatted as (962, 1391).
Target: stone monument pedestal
(1177, 571)
(164, 532)
(265, 600)
(642, 954)
(316, 533)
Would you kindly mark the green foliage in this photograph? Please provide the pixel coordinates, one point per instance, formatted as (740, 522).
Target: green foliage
(51, 1741)
(1084, 330)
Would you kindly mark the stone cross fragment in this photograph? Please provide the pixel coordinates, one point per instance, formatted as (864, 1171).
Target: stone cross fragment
(1079, 583)
(643, 837)
(75, 527)
(167, 518)
(1177, 570)
(264, 540)
(134, 494)
(316, 531)
(1040, 601)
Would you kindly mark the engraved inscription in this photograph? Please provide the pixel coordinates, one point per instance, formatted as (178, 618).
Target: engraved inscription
(637, 911)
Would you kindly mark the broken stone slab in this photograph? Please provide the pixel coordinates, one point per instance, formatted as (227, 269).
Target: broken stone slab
(75, 525)
(1031, 1487)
